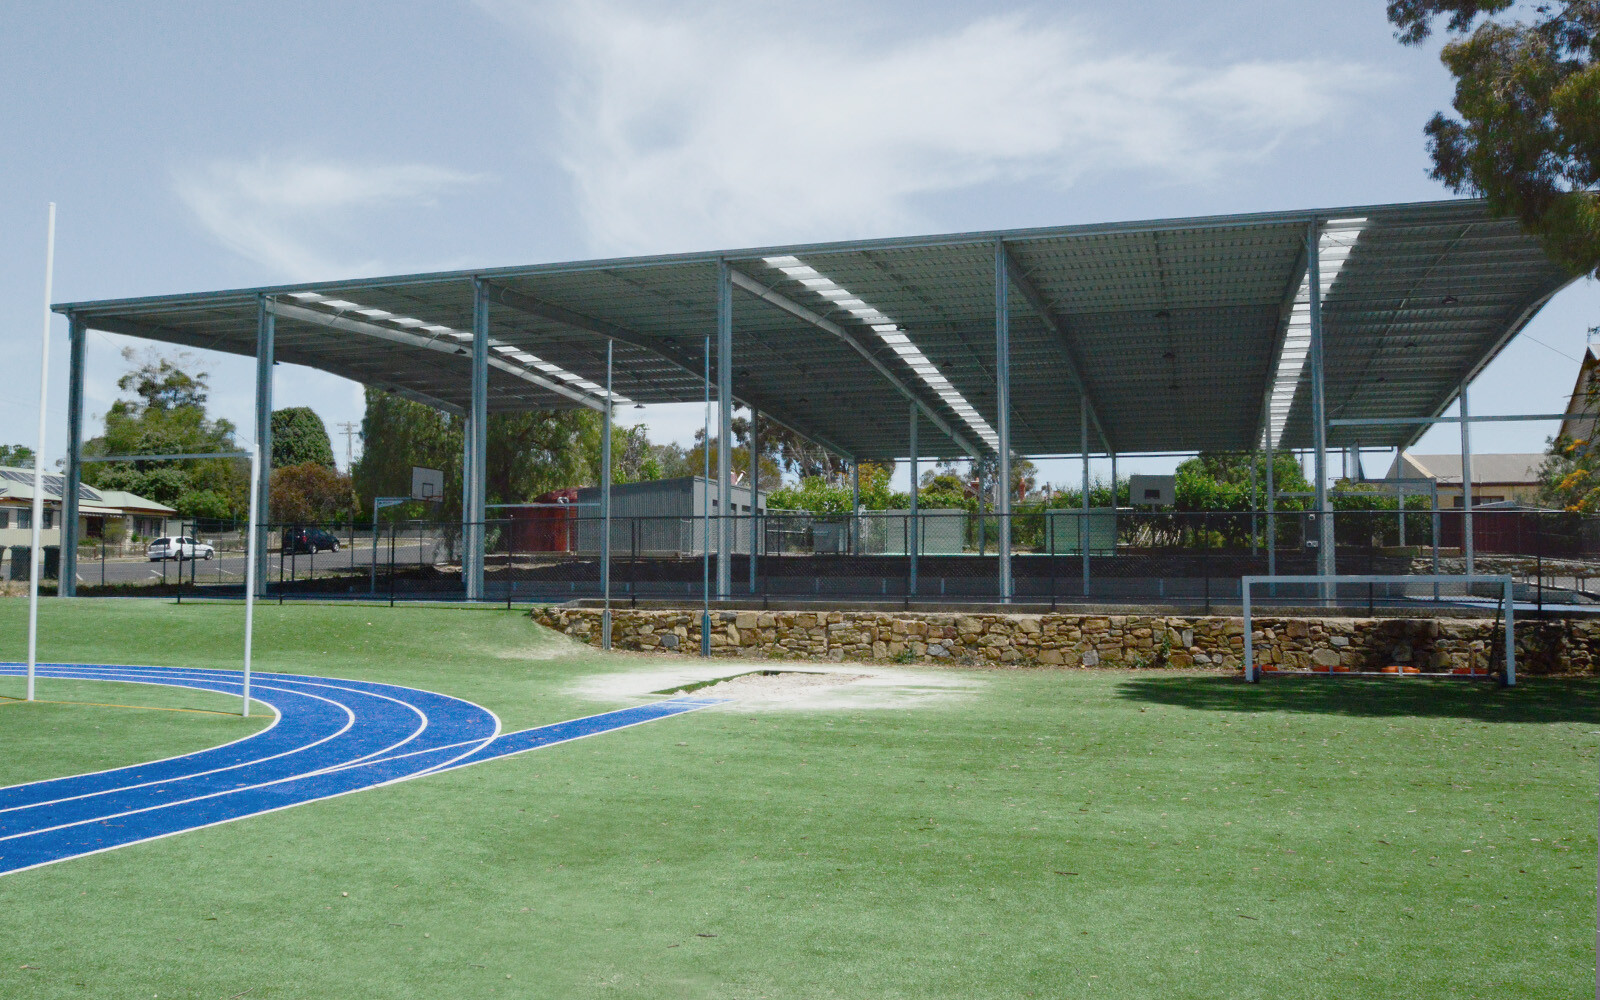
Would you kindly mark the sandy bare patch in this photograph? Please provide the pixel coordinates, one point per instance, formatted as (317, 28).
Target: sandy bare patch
(802, 686)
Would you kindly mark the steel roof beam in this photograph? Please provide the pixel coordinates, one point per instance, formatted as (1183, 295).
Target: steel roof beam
(348, 325)
(1069, 346)
(522, 302)
(793, 308)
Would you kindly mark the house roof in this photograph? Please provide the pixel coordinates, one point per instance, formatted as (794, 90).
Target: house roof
(1506, 469)
(16, 486)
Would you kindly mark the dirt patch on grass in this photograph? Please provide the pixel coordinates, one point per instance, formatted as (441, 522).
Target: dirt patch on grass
(760, 686)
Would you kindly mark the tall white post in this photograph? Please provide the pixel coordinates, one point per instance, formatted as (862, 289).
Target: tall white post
(35, 554)
(252, 549)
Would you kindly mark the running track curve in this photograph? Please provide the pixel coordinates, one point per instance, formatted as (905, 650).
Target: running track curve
(330, 737)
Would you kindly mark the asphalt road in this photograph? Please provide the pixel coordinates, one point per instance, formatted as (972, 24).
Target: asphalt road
(229, 567)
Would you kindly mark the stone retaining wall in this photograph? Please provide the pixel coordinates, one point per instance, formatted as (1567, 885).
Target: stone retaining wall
(1068, 640)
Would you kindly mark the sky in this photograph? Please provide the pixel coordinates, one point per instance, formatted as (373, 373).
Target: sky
(196, 147)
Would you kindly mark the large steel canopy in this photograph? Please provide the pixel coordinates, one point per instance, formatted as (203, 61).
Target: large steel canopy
(1178, 331)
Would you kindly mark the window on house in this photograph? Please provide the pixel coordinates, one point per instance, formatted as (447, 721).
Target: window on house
(24, 518)
(49, 518)
(5, 519)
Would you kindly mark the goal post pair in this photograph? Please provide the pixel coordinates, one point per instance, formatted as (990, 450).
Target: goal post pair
(1402, 591)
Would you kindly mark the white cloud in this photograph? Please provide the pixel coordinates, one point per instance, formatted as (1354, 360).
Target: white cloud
(747, 124)
(291, 215)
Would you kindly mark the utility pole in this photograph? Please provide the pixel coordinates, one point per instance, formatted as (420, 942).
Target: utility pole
(348, 428)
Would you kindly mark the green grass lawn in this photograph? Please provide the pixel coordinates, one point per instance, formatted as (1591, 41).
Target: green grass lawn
(1051, 834)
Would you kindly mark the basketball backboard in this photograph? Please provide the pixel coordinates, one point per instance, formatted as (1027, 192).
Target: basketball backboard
(427, 484)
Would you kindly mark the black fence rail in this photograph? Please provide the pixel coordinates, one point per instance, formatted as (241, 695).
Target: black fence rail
(1069, 556)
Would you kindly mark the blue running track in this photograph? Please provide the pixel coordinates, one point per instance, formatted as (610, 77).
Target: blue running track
(330, 737)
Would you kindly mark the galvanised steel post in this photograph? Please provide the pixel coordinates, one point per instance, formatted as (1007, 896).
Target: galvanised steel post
(855, 506)
(266, 331)
(1272, 521)
(1255, 505)
(1319, 417)
(67, 580)
(755, 491)
(1002, 400)
(1083, 446)
(1466, 483)
(466, 499)
(705, 514)
(911, 535)
(479, 427)
(724, 431)
(605, 510)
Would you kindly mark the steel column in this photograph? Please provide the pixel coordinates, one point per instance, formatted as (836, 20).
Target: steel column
(266, 334)
(855, 506)
(466, 501)
(724, 431)
(605, 509)
(1319, 417)
(1083, 445)
(1255, 505)
(67, 581)
(1272, 521)
(1002, 401)
(912, 546)
(479, 427)
(755, 490)
(1466, 483)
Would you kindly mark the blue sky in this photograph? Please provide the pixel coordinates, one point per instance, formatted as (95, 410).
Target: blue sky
(193, 147)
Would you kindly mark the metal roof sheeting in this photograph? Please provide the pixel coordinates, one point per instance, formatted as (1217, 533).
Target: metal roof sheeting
(1176, 326)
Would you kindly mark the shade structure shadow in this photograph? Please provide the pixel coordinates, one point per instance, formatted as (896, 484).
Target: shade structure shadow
(1533, 699)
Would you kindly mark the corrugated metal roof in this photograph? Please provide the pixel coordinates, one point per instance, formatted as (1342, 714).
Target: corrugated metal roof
(1176, 326)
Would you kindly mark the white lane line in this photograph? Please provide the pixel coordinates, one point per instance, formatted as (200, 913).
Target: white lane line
(112, 673)
(350, 719)
(277, 716)
(348, 791)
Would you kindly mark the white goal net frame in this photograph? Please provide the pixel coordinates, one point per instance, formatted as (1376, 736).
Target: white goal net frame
(1327, 591)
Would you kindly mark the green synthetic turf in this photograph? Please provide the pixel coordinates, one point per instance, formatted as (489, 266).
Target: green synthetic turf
(1054, 834)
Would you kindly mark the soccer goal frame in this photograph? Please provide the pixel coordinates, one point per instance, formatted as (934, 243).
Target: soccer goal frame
(1252, 673)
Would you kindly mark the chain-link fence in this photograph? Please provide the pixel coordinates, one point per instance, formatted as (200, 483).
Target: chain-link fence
(1063, 556)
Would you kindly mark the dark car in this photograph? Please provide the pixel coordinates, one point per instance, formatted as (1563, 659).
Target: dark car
(308, 540)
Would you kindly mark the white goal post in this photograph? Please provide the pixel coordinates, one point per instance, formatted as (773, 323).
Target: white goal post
(1330, 584)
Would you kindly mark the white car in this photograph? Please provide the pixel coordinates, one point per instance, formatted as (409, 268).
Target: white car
(179, 548)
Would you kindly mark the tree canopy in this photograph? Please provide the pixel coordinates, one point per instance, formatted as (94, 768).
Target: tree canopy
(1528, 98)
(17, 456)
(311, 493)
(299, 436)
(167, 415)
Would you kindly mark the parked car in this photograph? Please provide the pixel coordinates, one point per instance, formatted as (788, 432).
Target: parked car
(308, 540)
(178, 547)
